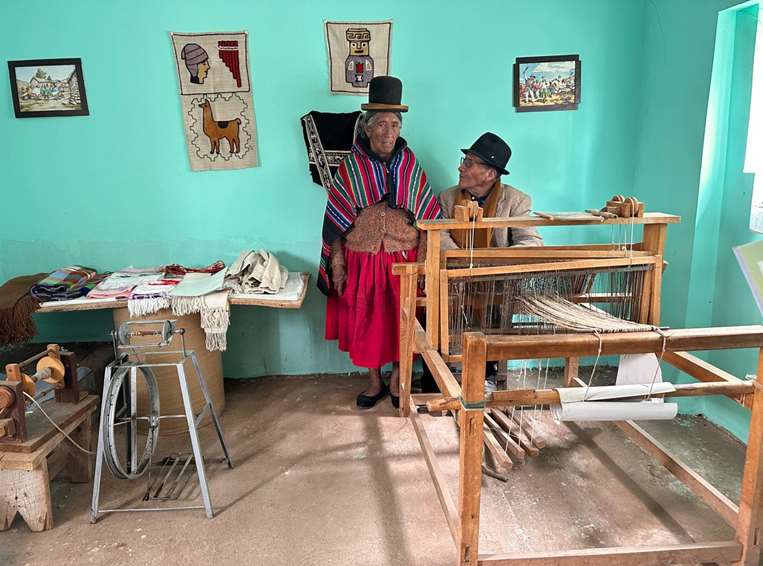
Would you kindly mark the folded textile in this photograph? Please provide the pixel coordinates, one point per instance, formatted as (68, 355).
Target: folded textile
(198, 284)
(71, 282)
(120, 284)
(148, 299)
(16, 308)
(119, 293)
(256, 272)
(141, 270)
(215, 318)
(201, 292)
(177, 269)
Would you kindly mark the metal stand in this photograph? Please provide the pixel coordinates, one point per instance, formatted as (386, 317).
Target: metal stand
(115, 382)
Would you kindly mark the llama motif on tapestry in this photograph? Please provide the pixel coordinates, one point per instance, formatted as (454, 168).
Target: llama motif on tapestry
(358, 51)
(216, 99)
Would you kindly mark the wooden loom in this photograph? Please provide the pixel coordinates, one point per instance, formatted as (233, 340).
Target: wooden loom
(469, 401)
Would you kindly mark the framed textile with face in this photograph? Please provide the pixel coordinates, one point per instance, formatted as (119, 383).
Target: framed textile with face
(357, 52)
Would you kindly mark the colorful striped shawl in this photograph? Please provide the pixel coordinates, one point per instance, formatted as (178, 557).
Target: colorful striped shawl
(361, 181)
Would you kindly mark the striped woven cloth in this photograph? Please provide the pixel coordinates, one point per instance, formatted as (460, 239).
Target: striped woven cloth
(71, 282)
(363, 180)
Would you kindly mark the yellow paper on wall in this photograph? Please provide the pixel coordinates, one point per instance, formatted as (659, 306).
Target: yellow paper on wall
(750, 257)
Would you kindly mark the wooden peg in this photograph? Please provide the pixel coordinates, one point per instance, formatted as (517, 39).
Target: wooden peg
(54, 351)
(545, 215)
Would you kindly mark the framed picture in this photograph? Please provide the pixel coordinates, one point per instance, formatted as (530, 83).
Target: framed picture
(547, 83)
(48, 87)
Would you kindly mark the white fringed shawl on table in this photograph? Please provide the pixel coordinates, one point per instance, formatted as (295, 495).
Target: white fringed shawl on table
(200, 292)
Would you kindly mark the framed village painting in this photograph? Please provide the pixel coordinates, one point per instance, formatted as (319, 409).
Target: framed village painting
(48, 87)
(547, 83)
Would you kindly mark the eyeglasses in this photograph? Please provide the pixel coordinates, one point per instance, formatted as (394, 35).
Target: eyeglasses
(468, 162)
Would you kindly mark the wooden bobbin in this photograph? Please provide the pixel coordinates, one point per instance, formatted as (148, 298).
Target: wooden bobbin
(51, 370)
(7, 397)
(13, 373)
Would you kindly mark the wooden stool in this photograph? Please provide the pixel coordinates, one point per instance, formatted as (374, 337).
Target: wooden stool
(24, 473)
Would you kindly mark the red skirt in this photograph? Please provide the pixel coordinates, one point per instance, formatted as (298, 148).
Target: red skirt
(366, 318)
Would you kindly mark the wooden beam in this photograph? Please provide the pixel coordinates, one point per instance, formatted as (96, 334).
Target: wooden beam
(561, 220)
(751, 497)
(525, 397)
(470, 448)
(545, 252)
(444, 318)
(571, 367)
(720, 552)
(698, 368)
(501, 459)
(407, 330)
(507, 443)
(440, 371)
(441, 487)
(569, 265)
(531, 347)
(432, 287)
(401, 268)
(704, 371)
(701, 487)
(654, 239)
(655, 304)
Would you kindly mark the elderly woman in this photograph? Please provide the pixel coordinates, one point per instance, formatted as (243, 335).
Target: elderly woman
(380, 190)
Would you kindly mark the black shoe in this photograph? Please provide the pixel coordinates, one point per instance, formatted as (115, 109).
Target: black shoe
(395, 400)
(364, 401)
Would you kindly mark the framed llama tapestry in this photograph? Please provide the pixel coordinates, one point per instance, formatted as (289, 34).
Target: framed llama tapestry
(47, 87)
(216, 99)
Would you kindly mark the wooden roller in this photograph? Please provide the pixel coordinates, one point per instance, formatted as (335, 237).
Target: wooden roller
(7, 397)
(51, 370)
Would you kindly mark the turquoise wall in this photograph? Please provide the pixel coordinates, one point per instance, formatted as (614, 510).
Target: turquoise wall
(691, 152)
(114, 188)
(732, 301)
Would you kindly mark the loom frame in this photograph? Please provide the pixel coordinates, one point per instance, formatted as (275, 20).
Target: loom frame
(435, 271)
(468, 399)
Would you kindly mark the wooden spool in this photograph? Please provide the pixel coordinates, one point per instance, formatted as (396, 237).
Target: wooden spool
(51, 370)
(13, 373)
(171, 402)
(7, 397)
(624, 207)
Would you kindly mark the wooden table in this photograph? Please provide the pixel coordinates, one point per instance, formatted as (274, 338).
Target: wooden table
(291, 297)
(24, 473)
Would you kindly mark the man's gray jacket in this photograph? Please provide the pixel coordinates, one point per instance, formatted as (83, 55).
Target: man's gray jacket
(512, 202)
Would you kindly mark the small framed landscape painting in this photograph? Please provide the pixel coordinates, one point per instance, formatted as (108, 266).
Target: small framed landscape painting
(48, 87)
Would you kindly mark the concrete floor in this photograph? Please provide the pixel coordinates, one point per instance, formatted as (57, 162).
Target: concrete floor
(318, 482)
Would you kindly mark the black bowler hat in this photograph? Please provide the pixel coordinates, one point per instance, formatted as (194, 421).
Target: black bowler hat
(384, 95)
(492, 150)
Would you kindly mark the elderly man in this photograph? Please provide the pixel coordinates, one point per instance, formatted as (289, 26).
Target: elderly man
(479, 179)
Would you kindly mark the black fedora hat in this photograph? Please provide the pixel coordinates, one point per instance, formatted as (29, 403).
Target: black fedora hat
(384, 95)
(492, 150)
